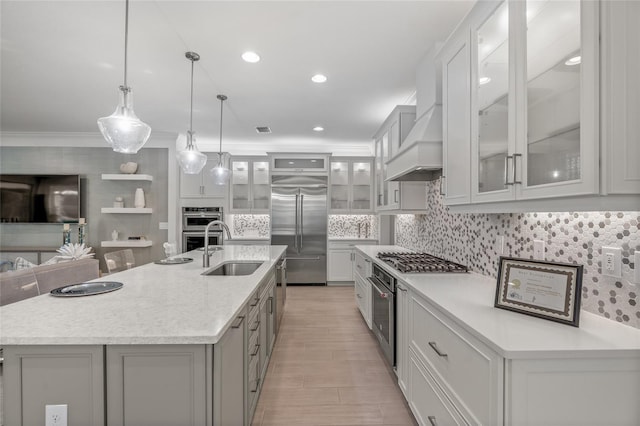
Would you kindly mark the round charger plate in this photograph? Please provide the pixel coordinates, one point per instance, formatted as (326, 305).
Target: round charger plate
(86, 289)
(176, 261)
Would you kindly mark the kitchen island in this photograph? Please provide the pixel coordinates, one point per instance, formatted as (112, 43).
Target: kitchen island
(172, 346)
(460, 360)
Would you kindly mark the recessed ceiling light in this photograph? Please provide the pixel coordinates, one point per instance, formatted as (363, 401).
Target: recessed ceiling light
(318, 129)
(484, 80)
(573, 61)
(319, 78)
(251, 57)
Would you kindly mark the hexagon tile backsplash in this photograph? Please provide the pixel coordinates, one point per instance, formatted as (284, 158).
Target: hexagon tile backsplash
(473, 239)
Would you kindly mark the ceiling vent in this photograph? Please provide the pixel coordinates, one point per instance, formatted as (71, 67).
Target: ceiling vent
(263, 129)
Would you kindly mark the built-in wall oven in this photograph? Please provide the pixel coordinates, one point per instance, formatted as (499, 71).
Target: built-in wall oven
(383, 311)
(194, 222)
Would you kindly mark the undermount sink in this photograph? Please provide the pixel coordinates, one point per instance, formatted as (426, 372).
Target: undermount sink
(234, 268)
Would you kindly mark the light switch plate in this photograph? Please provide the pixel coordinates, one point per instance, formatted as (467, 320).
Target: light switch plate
(612, 262)
(538, 249)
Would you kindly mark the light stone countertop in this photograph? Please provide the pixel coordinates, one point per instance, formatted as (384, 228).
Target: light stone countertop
(468, 300)
(158, 304)
(356, 239)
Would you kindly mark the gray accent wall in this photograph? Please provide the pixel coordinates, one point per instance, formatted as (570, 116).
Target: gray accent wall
(570, 237)
(90, 164)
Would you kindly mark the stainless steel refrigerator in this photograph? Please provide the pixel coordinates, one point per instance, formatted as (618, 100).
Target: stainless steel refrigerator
(299, 221)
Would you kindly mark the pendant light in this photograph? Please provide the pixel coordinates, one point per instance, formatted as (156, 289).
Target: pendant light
(191, 160)
(122, 129)
(220, 173)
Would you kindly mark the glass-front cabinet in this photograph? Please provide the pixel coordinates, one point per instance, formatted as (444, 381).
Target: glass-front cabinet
(351, 185)
(250, 189)
(533, 99)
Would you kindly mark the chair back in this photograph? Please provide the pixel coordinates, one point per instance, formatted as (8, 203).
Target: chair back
(17, 285)
(120, 260)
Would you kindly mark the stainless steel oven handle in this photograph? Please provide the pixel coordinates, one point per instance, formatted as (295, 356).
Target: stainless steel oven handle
(301, 220)
(382, 294)
(295, 239)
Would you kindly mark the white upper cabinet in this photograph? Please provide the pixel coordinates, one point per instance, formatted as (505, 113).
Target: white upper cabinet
(522, 112)
(351, 185)
(396, 197)
(456, 69)
(620, 102)
(201, 185)
(250, 186)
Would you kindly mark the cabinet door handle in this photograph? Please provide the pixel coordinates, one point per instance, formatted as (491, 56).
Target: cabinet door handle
(396, 193)
(270, 299)
(358, 294)
(237, 322)
(432, 420)
(435, 348)
(442, 178)
(515, 167)
(256, 349)
(257, 385)
(506, 170)
(256, 326)
(367, 260)
(400, 288)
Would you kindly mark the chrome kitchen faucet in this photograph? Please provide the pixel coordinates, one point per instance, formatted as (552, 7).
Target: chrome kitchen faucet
(205, 256)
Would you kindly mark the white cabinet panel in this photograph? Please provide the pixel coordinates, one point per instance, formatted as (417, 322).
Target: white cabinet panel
(340, 265)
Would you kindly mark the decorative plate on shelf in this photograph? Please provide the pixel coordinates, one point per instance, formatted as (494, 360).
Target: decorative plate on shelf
(86, 289)
(176, 261)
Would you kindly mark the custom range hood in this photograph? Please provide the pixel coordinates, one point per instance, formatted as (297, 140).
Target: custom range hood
(420, 155)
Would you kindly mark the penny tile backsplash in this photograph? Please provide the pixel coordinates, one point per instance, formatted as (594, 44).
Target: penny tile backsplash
(573, 237)
(353, 226)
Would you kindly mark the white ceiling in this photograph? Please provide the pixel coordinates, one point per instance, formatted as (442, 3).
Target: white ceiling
(62, 63)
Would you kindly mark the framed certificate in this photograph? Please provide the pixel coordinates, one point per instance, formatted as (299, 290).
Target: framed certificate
(542, 289)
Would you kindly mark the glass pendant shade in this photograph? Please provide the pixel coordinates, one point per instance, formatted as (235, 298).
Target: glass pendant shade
(191, 160)
(220, 174)
(123, 130)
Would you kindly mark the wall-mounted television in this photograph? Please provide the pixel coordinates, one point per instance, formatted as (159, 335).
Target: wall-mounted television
(39, 198)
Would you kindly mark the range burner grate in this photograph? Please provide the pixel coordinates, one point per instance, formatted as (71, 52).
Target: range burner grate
(420, 262)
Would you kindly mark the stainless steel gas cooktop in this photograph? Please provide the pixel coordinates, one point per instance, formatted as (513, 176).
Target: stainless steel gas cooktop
(419, 262)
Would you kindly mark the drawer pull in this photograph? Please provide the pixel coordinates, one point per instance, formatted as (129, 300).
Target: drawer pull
(237, 322)
(435, 348)
(257, 324)
(358, 294)
(255, 350)
(400, 288)
(432, 420)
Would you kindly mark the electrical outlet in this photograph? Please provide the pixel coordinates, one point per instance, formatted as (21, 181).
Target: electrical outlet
(538, 249)
(55, 415)
(612, 262)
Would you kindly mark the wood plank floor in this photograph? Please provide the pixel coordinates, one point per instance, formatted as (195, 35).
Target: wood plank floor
(327, 368)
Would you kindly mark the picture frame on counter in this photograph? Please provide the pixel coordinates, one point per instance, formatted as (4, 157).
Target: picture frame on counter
(548, 290)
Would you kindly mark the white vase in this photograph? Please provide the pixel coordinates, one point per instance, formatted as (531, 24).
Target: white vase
(138, 200)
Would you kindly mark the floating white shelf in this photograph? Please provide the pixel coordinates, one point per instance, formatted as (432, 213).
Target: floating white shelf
(127, 243)
(126, 177)
(127, 210)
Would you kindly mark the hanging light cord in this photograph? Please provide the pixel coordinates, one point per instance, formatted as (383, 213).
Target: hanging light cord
(125, 88)
(189, 140)
(222, 98)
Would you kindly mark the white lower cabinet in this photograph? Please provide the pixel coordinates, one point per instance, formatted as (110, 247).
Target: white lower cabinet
(450, 377)
(342, 262)
(468, 372)
(429, 405)
(362, 293)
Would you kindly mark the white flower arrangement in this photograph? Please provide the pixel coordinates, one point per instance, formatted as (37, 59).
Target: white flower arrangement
(74, 251)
